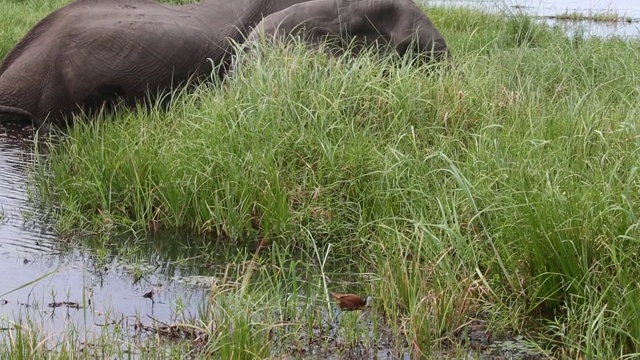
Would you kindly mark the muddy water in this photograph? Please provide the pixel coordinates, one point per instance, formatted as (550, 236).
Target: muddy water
(549, 10)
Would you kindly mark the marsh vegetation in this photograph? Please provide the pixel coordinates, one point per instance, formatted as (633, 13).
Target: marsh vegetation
(503, 193)
(611, 17)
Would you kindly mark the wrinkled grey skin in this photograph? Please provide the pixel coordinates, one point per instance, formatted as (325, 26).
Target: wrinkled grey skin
(95, 52)
(390, 24)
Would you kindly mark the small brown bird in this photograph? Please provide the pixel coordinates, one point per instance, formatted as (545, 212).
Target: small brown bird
(351, 302)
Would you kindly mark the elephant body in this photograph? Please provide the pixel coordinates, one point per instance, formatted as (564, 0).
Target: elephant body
(92, 52)
(390, 24)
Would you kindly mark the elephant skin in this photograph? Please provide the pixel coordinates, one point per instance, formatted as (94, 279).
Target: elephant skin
(92, 53)
(391, 24)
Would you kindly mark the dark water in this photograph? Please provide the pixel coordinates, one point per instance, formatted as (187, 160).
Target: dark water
(549, 10)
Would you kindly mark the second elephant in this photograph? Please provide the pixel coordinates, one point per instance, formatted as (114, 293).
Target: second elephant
(354, 24)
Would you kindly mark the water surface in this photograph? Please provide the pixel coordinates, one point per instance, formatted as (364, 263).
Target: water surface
(549, 11)
(74, 273)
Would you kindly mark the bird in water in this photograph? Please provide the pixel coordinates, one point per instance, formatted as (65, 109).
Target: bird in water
(351, 302)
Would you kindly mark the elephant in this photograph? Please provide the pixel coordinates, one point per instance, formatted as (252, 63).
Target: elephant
(397, 25)
(92, 53)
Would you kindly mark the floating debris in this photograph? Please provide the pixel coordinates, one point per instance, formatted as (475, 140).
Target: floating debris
(195, 281)
(148, 295)
(68, 304)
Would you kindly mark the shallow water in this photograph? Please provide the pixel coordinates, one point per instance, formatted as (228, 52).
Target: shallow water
(29, 249)
(548, 10)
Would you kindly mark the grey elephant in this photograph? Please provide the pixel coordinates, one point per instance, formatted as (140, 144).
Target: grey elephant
(92, 53)
(392, 25)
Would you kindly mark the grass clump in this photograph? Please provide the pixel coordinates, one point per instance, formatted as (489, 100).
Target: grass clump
(504, 189)
(603, 17)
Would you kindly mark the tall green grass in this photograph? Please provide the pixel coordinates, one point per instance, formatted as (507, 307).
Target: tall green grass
(504, 189)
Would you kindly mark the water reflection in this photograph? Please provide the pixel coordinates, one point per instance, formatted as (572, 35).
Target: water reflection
(20, 236)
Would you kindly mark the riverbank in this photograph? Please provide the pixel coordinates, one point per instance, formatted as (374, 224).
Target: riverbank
(501, 195)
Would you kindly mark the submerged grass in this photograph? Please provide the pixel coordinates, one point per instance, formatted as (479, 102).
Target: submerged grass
(505, 189)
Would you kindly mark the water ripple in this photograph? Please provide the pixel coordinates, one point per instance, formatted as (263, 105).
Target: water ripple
(16, 236)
